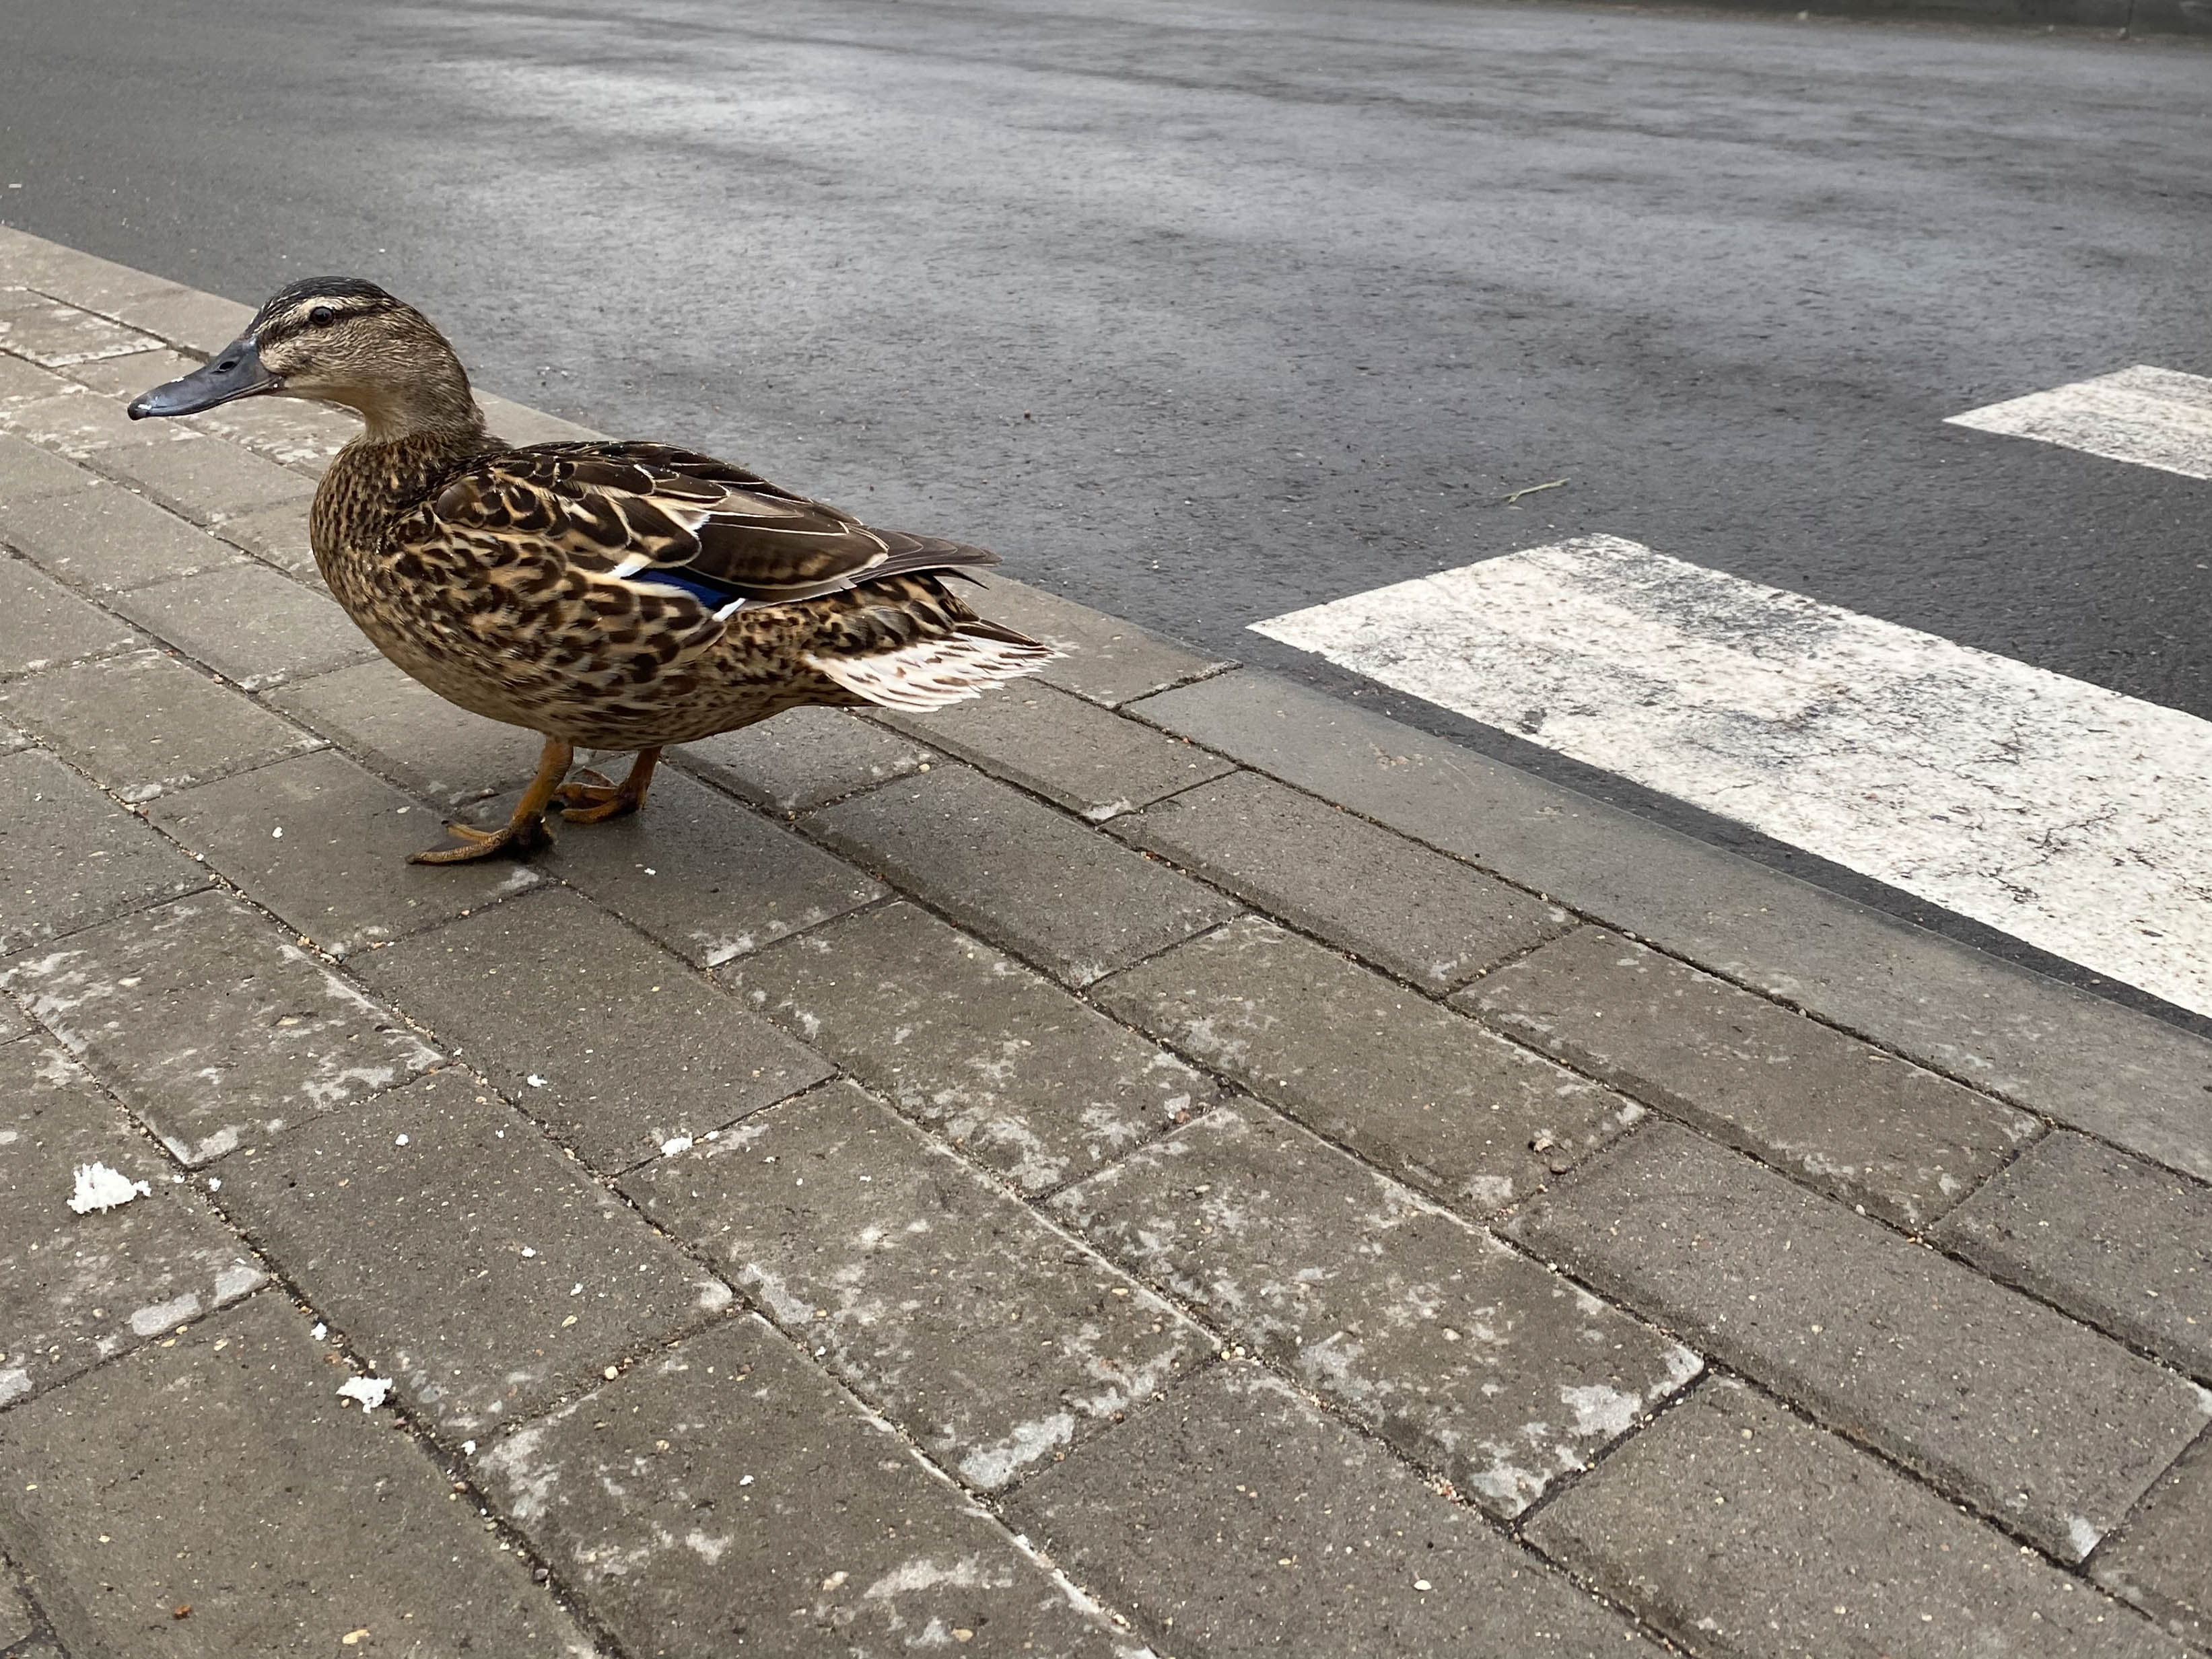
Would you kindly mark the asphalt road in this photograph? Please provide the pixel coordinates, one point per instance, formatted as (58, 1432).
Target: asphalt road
(1200, 312)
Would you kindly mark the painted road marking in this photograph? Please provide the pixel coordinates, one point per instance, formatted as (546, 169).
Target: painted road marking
(2065, 815)
(2156, 417)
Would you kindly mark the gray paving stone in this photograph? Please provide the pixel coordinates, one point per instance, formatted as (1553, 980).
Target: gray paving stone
(519, 423)
(77, 1289)
(1073, 903)
(80, 423)
(2001, 1402)
(1467, 1357)
(443, 1234)
(287, 430)
(1414, 912)
(997, 1059)
(26, 471)
(1104, 659)
(1845, 1117)
(2117, 1242)
(1429, 1096)
(410, 733)
(103, 537)
(726, 1498)
(212, 1026)
(803, 757)
(338, 871)
(1070, 752)
(208, 480)
(2040, 1044)
(995, 1340)
(220, 1470)
(708, 878)
(42, 624)
(70, 856)
(145, 724)
(185, 316)
(278, 536)
(126, 377)
(2162, 1562)
(55, 335)
(17, 1622)
(249, 624)
(22, 381)
(80, 279)
(1236, 1519)
(558, 1003)
(1736, 1529)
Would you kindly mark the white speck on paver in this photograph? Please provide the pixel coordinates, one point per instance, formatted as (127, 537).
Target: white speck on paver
(675, 1144)
(966, 1573)
(278, 834)
(994, 1466)
(468, 1449)
(236, 1280)
(319, 1332)
(745, 1480)
(369, 1390)
(1601, 1411)
(1422, 1585)
(2080, 1535)
(215, 1183)
(576, 1290)
(535, 1081)
(98, 1187)
(527, 1252)
(399, 1140)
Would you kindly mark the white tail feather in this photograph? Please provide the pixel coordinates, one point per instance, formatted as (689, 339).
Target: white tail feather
(931, 673)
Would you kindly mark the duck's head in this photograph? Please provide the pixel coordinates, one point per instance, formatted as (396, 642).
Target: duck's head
(333, 340)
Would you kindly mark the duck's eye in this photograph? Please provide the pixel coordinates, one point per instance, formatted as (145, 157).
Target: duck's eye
(321, 315)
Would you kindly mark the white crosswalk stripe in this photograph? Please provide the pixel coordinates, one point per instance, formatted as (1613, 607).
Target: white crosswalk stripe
(2156, 417)
(2064, 814)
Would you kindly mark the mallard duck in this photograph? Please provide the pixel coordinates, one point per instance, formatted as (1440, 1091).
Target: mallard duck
(612, 596)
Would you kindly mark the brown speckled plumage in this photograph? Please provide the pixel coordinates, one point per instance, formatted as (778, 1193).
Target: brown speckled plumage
(486, 573)
(605, 595)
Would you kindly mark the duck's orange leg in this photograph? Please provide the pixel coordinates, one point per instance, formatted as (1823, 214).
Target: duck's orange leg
(525, 831)
(594, 799)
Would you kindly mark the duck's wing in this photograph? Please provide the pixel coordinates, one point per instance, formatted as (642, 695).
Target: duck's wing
(654, 514)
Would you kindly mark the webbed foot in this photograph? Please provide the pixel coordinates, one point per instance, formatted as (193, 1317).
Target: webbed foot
(524, 833)
(593, 798)
(465, 843)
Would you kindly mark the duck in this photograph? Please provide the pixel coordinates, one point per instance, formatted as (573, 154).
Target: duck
(622, 596)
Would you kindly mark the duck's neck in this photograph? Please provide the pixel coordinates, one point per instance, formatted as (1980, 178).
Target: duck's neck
(380, 477)
(432, 405)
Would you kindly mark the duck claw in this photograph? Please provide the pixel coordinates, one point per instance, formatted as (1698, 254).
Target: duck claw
(592, 803)
(465, 843)
(591, 797)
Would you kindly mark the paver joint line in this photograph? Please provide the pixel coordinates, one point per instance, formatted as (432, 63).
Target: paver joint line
(1170, 1082)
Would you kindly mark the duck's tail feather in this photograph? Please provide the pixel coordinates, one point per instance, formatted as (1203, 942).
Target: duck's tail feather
(933, 672)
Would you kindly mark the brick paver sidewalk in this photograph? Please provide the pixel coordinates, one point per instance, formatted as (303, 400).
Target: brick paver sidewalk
(1152, 1158)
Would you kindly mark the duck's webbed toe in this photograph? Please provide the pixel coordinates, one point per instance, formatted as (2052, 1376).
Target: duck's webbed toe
(465, 843)
(591, 797)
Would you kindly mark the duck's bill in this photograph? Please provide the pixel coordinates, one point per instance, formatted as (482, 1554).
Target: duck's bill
(233, 372)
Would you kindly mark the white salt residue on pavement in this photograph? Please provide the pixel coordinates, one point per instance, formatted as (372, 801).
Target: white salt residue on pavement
(369, 1390)
(98, 1187)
